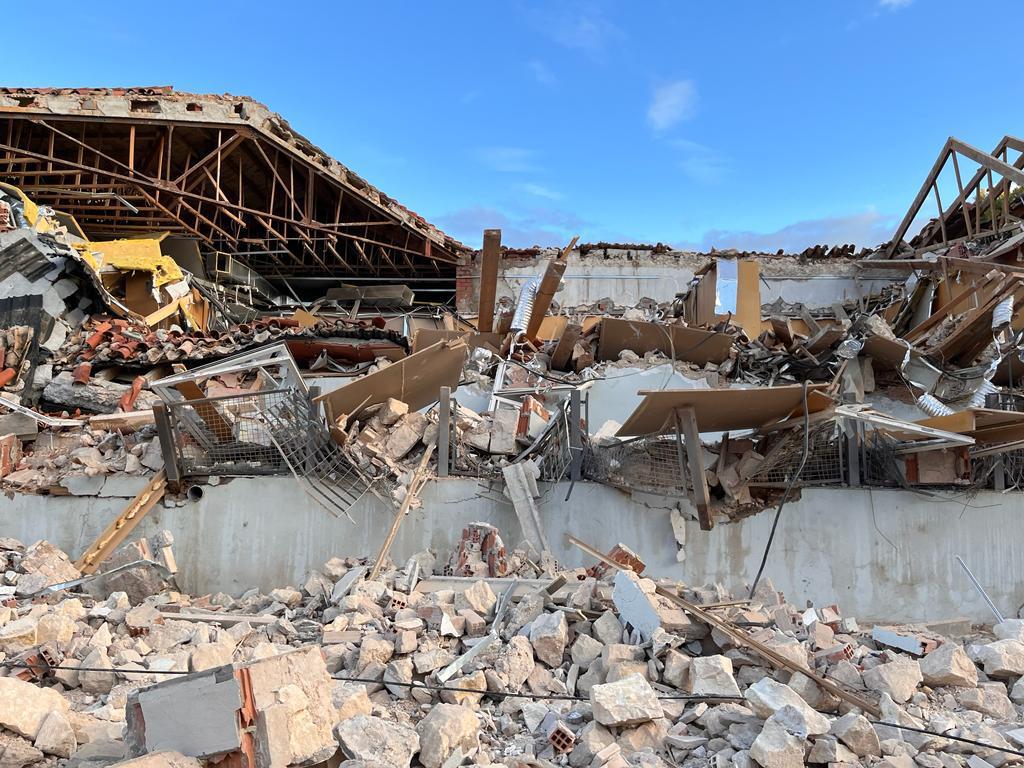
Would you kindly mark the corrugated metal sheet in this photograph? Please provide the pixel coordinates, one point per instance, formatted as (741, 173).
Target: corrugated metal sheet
(23, 256)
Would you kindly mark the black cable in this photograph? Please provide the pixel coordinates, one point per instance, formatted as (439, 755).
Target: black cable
(373, 681)
(510, 695)
(785, 494)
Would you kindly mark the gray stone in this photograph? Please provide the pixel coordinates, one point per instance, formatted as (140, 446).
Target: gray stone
(477, 597)
(97, 681)
(857, 733)
(377, 740)
(634, 600)
(677, 669)
(712, 676)
(767, 697)
(549, 634)
(775, 747)
(949, 664)
(608, 628)
(585, 650)
(629, 701)
(899, 678)
(56, 736)
(24, 706)
(1003, 658)
(446, 728)
(515, 662)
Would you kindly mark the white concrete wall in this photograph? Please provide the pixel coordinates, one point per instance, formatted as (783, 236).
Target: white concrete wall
(627, 281)
(879, 554)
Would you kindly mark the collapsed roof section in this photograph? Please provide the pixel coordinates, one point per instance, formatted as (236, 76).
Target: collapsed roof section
(986, 206)
(224, 169)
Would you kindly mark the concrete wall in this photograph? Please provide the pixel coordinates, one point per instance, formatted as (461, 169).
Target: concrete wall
(879, 554)
(627, 276)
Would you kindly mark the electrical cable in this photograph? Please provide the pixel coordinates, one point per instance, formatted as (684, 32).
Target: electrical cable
(532, 696)
(785, 494)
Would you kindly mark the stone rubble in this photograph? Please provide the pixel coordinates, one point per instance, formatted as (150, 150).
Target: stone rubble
(595, 691)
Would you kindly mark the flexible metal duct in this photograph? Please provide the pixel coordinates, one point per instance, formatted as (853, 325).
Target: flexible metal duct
(524, 308)
(933, 406)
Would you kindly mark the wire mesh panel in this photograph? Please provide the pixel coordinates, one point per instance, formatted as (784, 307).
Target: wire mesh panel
(823, 466)
(269, 432)
(647, 464)
(879, 465)
(226, 435)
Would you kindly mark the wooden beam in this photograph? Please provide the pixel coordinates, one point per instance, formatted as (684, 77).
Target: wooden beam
(686, 425)
(122, 525)
(489, 259)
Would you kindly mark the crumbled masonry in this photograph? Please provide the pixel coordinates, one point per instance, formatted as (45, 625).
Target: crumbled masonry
(197, 320)
(355, 677)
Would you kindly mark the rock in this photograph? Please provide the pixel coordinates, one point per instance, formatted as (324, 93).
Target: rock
(18, 635)
(16, 753)
(549, 634)
(634, 600)
(629, 701)
(478, 597)
(56, 736)
(857, 733)
(585, 650)
(374, 649)
(376, 740)
(899, 678)
(93, 681)
(1003, 658)
(447, 727)
(817, 697)
(775, 747)
(767, 697)
(950, 665)
(647, 736)
(826, 750)
(677, 669)
(56, 628)
(608, 628)
(350, 700)
(515, 662)
(1011, 629)
(161, 760)
(210, 655)
(24, 706)
(592, 739)
(712, 676)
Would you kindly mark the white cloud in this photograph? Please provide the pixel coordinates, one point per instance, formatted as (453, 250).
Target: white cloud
(539, 190)
(701, 163)
(579, 26)
(865, 229)
(672, 103)
(519, 229)
(893, 5)
(508, 159)
(541, 73)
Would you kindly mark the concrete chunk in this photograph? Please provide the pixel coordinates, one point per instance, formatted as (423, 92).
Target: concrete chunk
(949, 664)
(767, 696)
(712, 676)
(446, 728)
(377, 741)
(857, 733)
(24, 706)
(548, 634)
(629, 701)
(899, 678)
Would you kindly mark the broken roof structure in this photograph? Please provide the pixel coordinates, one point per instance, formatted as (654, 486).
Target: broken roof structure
(223, 169)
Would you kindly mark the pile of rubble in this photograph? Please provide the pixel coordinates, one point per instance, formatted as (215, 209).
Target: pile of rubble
(597, 667)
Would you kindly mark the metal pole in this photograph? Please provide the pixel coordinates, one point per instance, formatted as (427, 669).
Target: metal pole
(444, 427)
(981, 590)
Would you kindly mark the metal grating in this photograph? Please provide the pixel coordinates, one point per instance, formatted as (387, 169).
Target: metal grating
(645, 464)
(263, 433)
(226, 435)
(878, 461)
(824, 464)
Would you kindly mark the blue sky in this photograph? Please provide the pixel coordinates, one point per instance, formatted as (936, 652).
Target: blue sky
(745, 124)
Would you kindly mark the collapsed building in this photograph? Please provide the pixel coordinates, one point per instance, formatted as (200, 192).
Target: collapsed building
(439, 506)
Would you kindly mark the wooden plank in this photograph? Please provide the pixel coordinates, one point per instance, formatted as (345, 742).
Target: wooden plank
(748, 297)
(217, 617)
(122, 422)
(545, 294)
(418, 479)
(676, 341)
(686, 423)
(122, 525)
(489, 258)
(562, 355)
